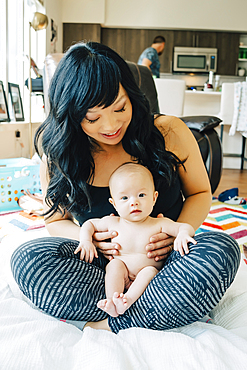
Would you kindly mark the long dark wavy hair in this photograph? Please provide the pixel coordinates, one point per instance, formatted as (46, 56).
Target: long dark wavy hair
(89, 75)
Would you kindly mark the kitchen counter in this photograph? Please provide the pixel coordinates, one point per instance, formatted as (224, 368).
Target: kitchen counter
(203, 92)
(202, 103)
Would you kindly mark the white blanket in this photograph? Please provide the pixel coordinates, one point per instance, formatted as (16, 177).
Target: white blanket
(31, 340)
(239, 120)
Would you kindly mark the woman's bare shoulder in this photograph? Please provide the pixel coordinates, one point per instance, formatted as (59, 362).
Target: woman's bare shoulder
(177, 135)
(168, 124)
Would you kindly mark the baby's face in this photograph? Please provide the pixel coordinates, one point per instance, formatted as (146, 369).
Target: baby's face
(133, 196)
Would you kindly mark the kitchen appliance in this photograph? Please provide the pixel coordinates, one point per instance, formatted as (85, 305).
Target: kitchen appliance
(188, 59)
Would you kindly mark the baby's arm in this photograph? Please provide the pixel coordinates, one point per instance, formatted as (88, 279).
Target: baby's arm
(86, 246)
(184, 236)
(183, 233)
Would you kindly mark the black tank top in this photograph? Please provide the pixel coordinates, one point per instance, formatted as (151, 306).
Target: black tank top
(169, 203)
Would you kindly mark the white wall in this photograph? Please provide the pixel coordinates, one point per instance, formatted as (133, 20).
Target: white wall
(83, 11)
(10, 146)
(54, 11)
(225, 15)
(197, 14)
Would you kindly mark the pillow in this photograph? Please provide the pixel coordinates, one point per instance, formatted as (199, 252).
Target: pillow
(201, 123)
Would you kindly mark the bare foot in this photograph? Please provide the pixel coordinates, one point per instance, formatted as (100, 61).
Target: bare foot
(108, 306)
(121, 302)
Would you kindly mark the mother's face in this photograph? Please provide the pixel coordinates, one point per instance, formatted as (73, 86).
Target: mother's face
(107, 126)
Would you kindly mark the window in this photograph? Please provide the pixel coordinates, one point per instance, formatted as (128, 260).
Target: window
(14, 49)
(3, 52)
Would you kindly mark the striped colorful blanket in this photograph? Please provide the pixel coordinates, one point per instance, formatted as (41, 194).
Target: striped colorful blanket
(227, 218)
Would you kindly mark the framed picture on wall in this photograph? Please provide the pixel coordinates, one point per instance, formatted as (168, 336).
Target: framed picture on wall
(4, 112)
(16, 101)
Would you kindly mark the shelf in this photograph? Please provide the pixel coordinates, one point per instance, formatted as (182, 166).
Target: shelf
(242, 60)
(243, 46)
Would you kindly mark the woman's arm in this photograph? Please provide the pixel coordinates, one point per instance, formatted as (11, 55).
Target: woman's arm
(194, 178)
(64, 226)
(57, 225)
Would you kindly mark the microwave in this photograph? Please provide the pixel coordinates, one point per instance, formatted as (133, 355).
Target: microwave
(188, 59)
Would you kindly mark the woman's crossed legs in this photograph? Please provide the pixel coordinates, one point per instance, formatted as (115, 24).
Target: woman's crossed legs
(186, 289)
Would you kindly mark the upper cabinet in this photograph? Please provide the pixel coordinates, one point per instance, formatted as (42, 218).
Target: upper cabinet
(195, 39)
(75, 32)
(130, 43)
(228, 47)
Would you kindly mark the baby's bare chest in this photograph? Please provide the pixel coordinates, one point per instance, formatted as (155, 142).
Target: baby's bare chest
(133, 242)
(135, 239)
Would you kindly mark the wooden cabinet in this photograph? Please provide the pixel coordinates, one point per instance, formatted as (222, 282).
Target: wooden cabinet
(195, 39)
(228, 47)
(130, 43)
(75, 32)
(206, 39)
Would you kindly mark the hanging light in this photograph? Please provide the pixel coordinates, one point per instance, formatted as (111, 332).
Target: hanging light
(38, 23)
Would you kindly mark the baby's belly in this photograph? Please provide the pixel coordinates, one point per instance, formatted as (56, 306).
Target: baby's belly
(137, 261)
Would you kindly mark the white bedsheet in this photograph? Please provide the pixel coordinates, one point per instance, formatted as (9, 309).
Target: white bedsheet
(31, 340)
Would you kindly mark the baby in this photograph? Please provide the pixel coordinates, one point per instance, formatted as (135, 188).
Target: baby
(133, 197)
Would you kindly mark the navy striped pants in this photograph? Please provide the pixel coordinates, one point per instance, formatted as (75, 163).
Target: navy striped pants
(185, 290)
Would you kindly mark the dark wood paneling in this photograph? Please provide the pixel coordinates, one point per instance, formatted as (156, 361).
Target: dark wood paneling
(167, 56)
(195, 39)
(206, 39)
(115, 38)
(75, 32)
(136, 42)
(228, 47)
(130, 43)
(183, 38)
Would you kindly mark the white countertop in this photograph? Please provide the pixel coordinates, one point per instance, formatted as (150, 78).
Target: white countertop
(203, 92)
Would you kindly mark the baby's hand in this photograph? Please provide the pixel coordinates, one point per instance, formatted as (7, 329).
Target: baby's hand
(181, 243)
(88, 251)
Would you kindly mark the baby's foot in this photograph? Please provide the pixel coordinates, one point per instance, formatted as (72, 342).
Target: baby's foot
(108, 306)
(121, 302)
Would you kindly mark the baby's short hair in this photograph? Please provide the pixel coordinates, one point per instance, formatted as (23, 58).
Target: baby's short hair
(129, 167)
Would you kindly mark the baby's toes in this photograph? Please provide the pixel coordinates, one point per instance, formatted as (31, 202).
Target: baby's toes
(102, 303)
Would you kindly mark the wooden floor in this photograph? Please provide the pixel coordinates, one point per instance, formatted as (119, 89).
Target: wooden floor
(233, 179)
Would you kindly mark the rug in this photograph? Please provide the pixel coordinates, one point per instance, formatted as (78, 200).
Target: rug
(230, 219)
(15, 222)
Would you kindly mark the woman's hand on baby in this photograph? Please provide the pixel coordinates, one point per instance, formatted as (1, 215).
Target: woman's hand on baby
(160, 245)
(107, 248)
(87, 251)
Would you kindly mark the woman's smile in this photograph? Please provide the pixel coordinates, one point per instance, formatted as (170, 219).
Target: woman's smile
(113, 135)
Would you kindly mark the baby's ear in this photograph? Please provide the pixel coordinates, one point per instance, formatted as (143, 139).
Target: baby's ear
(155, 196)
(112, 202)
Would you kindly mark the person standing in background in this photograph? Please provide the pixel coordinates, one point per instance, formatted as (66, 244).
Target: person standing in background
(150, 56)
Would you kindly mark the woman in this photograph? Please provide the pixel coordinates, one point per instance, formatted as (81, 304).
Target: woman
(98, 120)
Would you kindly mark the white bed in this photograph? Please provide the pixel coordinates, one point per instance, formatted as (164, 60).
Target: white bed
(31, 340)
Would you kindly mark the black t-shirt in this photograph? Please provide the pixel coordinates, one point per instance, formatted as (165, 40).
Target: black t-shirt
(169, 202)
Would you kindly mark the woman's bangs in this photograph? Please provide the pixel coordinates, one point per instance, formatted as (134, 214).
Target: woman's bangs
(105, 81)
